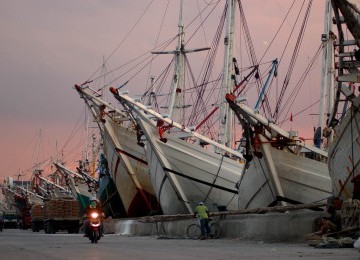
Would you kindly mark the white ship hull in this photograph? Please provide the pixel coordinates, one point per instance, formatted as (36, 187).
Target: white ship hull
(301, 179)
(9, 197)
(344, 153)
(278, 172)
(184, 174)
(129, 170)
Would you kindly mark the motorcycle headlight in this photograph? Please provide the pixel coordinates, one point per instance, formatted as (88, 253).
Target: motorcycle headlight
(94, 215)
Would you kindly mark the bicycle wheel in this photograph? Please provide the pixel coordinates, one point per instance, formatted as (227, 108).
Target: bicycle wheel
(193, 231)
(216, 230)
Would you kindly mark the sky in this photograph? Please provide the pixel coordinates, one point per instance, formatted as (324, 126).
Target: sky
(47, 46)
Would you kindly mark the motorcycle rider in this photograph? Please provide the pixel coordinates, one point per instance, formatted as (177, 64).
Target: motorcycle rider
(94, 206)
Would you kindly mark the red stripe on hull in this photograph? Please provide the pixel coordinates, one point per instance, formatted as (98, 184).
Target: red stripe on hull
(144, 204)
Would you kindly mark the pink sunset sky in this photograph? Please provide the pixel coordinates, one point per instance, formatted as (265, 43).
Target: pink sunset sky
(47, 46)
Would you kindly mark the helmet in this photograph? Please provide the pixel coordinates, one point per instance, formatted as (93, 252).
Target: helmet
(201, 203)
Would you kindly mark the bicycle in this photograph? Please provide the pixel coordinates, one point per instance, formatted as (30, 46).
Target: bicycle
(194, 230)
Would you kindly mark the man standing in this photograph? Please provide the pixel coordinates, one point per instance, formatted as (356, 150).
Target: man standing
(203, 214)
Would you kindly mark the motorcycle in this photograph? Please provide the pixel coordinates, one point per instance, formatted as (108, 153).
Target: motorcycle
(95, 226)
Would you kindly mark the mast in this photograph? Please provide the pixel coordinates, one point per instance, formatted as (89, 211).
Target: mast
(177, 87)
(94, 153)
(38, 152)
(177, 90)
(87, 136)
(103, 72)
(327, 71)
(151, 100)
(226, 114)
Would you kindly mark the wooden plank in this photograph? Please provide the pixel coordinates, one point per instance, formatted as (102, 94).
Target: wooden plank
(164, 218)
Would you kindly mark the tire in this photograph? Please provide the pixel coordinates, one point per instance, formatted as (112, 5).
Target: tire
(96, 236)
(35, 227)
(46, 228)
(92, 236)
(194, 231)
(216, 230)
(51, 227)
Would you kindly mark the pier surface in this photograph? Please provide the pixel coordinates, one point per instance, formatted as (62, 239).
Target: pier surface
(25, 244)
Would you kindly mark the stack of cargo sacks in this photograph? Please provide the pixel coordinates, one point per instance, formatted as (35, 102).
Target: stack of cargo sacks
(71, 208)
(37, 211)
(54, 208)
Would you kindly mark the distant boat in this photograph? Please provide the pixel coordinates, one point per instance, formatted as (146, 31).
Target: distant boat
(77, 185)
(9, 197)
(344, 151)
(32, 197)
(3, 206)
(52, 189)
(18, 197)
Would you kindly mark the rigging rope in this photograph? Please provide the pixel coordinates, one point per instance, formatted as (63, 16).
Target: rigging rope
(202, 21)
(299, 85)
(200, 103)
(252, 54)
(158, 35)
(126, 36)
(293, 60)
(278, 31)
(300, 112)
(216, 176)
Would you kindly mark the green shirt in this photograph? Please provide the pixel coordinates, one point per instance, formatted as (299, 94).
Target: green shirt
(202, 211)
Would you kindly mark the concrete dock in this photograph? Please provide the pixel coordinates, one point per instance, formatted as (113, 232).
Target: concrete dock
(270, 227)
(25, 244)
